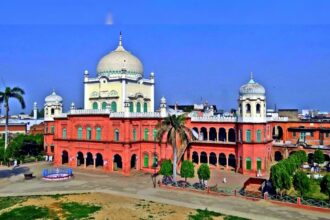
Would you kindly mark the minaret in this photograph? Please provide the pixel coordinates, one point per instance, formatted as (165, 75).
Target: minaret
(35, 111)
(163, 112)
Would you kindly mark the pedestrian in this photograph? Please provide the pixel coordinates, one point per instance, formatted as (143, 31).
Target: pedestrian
(224, 180)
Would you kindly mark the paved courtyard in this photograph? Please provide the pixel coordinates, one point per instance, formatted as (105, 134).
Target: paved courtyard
(139, 185)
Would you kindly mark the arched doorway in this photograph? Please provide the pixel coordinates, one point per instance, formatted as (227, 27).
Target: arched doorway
(222, 135)
(203, 157)
(326, 157)
(65, 157)
(145, 160)
(213, 134)
(89, 159)
(222, 159)
(99, 160)
(80, 158)
(231, 135)
(213, 159)
(277, 133)
(195, 133)
(203, 134)
(195, 158)
(278, 156)
(117, 162)
(310, 158)
(232, 160)
(133, 161)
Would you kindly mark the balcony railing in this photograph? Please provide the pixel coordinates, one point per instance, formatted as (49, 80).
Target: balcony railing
(212, 119)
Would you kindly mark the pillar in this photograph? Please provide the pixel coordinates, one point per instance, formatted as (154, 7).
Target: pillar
(94, 163)
(85, 161)
(227, 135)
(227, 165)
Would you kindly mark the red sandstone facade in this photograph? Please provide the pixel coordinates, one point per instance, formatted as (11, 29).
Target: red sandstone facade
(126, 144)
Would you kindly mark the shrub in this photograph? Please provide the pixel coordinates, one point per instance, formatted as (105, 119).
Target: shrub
(204, 172)
(325, 185)
(301, 182)
(187, 169)
(166, 168)
(318, 156)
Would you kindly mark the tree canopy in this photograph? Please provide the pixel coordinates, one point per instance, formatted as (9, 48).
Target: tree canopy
(318, 156)
(204, 172)
(187, 169)
(325, 185)
(301, 182)
(166, 168)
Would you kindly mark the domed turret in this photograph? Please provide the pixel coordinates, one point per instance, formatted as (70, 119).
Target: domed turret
(252, 102)
(53, 106)
(120, 62)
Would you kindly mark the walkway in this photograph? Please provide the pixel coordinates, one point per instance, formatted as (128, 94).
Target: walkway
(139, 185)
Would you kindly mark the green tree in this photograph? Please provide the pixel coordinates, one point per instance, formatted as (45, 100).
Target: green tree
(318, 156)
(11, 93)
(187, 169)
(301, 182)
(325, 185)
(176, 131)
(204, 172)
(166, 168)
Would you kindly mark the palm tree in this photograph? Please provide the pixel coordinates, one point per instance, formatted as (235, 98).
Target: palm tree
(9, 93)
(175, 130)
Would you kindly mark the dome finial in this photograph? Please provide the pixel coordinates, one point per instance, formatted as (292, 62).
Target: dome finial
(120, 39)
(251, 78)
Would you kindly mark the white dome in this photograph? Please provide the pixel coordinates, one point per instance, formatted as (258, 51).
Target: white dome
(113, 64)
(53, 98)
(252, 88)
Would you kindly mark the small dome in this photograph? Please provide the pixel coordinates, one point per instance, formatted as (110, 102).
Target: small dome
(252, 88)
(113, 64)
(53, 98)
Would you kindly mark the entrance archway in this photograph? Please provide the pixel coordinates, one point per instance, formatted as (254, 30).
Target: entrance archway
(80, 158)
(203, 134)
(232, 160)
(89, 159)
(231, 135)
(222, 159)
(222, 135)
(65, 157)
(133, 161)
(213, 134)
(117, 162)
(278, 156)
(99, 160)
(213, 159)
(203, 157)
(195, 158)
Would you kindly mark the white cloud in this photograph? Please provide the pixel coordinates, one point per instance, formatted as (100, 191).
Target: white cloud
(109, 19)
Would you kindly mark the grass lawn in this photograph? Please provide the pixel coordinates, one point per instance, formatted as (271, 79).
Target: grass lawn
(208, 215)
(74, 210)
(27, 212)
(6, 202)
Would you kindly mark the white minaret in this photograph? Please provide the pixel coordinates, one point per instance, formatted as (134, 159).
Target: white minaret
(53, 106)
(152, 88)
(86, 76)
(163, 111)
(35, 111)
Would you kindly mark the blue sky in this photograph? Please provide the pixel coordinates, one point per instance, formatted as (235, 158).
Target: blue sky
(198, 49)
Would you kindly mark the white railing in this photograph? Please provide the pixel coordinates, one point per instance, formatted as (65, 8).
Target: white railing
(89, 112)
(277, 118)
(135, 115)
(212, 119)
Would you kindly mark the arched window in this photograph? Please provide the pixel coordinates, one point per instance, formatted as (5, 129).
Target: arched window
(258, 163)
(116, 135)
(146, 134)
(145, 160)
(145, 107)
(134, 134)
(95, 105)
(88, 133)
(64, 133)
(258, 108)
(131, 107)
(248, 163)
(155, 133)
(80, 133)
(52, 111)
(104, 105)
(258, 135)
(52, 129)
(138, 107)
(113, 106)
(248, 108)
(98, 133)
(155, 161)
(248, 136)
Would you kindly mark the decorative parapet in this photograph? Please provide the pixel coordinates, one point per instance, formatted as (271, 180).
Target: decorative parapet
(213, 119)
(135, 115)
(277, 119)
(89, 112)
